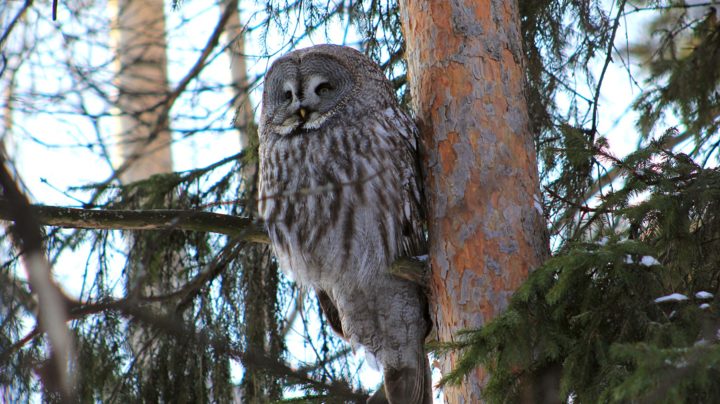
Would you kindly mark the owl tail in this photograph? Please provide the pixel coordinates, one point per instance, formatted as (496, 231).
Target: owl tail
(407, 385)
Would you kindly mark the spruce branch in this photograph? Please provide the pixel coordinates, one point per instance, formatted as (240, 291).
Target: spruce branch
(135, 310)
(155, 219)
(240, 228)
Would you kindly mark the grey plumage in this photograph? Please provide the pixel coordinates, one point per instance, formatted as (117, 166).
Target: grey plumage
(340, 194)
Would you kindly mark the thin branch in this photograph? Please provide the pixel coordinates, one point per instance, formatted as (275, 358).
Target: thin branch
(5, 355)
(608, 58)
(680, 6)
(14, 21)
(170, 325)
(169, 101)
(319, 364)
(199, 65)
(613, 173)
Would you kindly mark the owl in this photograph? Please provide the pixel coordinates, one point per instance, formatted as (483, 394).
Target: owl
(340, 194)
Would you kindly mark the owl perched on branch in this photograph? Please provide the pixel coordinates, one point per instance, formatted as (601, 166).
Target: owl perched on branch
(340, 193)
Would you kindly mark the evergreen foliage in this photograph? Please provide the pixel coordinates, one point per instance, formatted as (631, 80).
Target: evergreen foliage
(597, 308)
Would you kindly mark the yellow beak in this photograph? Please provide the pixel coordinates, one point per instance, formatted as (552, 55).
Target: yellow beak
(302, 113)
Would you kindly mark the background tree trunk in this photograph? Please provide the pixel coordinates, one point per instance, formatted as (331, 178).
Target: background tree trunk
(143, 142)
(143, 150)
(244, 117)
(260, 273)
(465, 67)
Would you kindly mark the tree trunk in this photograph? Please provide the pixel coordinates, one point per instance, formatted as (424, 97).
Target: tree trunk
(465, 69)
(244, 118)
(143, 150)
(143, 143)
(259, 272)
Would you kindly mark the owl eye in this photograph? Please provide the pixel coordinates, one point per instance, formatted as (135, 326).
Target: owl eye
(323, 89)
(287, 95)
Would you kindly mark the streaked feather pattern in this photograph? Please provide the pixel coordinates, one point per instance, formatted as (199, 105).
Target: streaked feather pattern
(341, 196)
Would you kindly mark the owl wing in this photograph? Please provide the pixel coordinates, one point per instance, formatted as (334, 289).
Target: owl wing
(413, 241)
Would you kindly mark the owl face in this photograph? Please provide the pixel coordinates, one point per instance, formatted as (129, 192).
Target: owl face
(302, 90)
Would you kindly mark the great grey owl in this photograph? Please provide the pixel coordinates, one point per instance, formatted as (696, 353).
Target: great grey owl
(340, 193)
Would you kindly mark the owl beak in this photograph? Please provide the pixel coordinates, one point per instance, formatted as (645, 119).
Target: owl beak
(303, 113)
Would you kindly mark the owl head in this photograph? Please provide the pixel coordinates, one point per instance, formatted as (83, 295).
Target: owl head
(306, 87)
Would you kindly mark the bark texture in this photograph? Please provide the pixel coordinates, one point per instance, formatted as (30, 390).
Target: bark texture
(465, 67)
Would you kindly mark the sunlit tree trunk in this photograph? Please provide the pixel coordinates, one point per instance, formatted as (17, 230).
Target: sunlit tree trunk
(8, 97)
(244, 117)
(465, 67)
(143, 149)
(259, 271)
(143, 140)
(235, 34)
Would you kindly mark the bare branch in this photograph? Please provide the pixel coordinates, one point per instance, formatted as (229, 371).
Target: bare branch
(14, 21)
(241, 228)
(608, 59)
(166, 219)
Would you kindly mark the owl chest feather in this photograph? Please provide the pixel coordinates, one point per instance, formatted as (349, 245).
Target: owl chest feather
(332, 202)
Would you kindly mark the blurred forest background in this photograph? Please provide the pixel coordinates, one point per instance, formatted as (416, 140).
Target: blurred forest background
(121, 104)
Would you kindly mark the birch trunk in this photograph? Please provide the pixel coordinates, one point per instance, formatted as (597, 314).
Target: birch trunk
(143, 140)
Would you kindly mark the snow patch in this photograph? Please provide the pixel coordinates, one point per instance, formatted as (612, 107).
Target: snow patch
(537, 204)
(603, 241)
(629, 259)
(703, 295)
(674, 297)
(704, 306)
(421, 258)
(649, 261)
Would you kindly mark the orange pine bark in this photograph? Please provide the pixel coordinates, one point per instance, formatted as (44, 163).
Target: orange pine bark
(465, 69)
